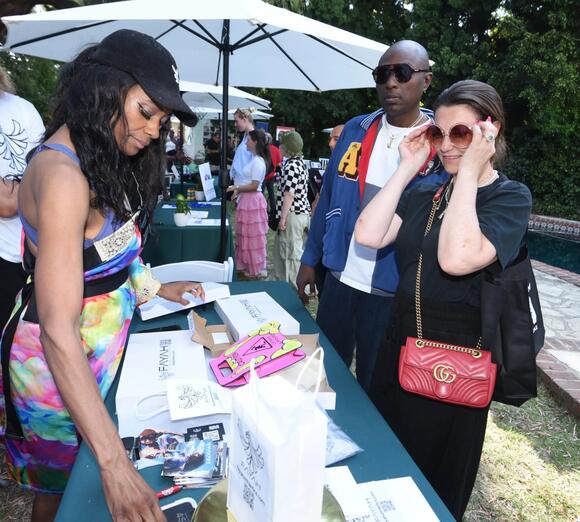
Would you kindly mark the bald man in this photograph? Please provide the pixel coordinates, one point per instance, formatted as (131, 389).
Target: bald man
(355, 307)
(334, 135)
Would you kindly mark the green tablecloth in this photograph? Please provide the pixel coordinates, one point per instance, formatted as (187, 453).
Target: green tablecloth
(384, 456)
(171, 244)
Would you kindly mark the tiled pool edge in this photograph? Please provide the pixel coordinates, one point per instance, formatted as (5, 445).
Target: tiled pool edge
(563, 382)
(559, 378)
(565, 228)
(561, 273)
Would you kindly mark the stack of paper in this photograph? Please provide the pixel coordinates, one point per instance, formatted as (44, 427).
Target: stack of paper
(395, 500)
(159, 306)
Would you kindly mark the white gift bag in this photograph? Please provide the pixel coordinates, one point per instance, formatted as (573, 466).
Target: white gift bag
(277, 452)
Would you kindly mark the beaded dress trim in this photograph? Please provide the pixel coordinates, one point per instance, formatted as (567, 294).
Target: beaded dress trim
(115, 243)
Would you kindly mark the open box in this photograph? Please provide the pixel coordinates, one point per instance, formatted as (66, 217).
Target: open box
(217, 339)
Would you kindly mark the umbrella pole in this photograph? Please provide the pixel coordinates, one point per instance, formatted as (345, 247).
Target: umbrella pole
(180, 154)
(224, 177)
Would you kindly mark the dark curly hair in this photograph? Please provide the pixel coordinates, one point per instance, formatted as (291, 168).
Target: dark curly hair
(90, 101)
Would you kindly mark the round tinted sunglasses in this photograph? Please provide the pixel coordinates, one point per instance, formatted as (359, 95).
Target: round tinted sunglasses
(403, 72)
(460, 135)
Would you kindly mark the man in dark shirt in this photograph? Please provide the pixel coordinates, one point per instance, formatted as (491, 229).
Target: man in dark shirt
(212, 148)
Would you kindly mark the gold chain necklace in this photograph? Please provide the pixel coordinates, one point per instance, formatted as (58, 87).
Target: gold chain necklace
(393, 136)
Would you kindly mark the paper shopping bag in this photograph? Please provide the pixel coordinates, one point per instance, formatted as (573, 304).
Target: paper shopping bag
(277, 453)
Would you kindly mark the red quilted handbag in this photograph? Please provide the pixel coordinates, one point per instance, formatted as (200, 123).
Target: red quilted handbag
(442, 371)
(447, 372)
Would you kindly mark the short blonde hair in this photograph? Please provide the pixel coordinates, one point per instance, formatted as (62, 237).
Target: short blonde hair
(246, 114)
(6, 84)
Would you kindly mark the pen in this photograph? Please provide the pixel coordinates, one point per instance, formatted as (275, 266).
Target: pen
(169, 491)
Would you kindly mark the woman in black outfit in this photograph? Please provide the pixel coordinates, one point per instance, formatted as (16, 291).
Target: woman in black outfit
(482, 218)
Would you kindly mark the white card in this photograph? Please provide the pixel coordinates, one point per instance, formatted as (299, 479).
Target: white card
(207, 181)
(395, 500)
(342, 485)
(220, 337)
(196, 398)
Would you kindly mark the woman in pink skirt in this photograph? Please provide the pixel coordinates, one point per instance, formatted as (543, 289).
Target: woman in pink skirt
(251, 216)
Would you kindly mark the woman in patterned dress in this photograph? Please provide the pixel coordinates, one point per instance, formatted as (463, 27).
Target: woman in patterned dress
(293, 209)
(84, 202)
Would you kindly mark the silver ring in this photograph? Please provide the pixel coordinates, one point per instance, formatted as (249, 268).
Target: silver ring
(490, 137)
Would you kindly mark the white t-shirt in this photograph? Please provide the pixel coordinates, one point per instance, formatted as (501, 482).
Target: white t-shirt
(253, 171)
(21, 129)
(361, 260)
(241, 159)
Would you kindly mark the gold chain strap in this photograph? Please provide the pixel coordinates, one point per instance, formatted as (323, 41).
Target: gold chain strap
(473, 351)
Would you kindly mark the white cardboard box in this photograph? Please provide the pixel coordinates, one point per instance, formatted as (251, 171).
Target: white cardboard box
(246, 312)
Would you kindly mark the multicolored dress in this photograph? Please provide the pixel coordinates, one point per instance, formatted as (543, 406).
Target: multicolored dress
(40, 437)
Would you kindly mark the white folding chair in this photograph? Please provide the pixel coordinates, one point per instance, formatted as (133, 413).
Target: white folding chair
(231, 269)
(323, 162)
(202, 271)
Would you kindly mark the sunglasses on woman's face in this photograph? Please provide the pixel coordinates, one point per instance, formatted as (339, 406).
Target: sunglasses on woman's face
(403, 72)
(460, 135)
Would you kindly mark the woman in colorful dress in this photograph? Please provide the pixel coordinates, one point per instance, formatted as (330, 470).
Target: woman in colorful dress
(292, 208)
(86, 198)
(479, 217)
(251, 213)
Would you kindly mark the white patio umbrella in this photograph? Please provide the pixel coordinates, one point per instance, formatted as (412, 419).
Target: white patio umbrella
(238, 42)
(210, 96)
(210, 112)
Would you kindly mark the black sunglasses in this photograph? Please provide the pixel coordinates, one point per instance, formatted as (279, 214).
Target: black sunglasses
(403, 72)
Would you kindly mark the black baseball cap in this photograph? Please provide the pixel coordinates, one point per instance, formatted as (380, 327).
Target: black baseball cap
(152, 66)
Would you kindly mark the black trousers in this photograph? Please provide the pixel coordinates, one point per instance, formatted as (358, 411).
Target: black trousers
(268, 186)
(444, 440)
(12, 279)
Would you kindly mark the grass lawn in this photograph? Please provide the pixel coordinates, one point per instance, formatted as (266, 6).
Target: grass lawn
(530, 469)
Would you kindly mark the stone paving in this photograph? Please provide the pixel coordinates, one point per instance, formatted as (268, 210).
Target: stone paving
(559, 360)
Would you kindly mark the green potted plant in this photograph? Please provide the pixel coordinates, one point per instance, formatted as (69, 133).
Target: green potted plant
(181, 211)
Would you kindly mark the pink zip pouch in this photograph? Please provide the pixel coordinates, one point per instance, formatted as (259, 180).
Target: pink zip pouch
(267, 346)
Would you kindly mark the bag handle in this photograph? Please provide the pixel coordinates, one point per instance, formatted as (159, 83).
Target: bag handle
(320, 351)
(442, 193)
(150, 415)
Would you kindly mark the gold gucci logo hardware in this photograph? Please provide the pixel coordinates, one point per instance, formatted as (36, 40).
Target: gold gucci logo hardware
(444, 373)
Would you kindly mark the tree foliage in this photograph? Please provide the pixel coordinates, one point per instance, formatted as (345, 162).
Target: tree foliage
(34, 78)
(527, 49)
(534, 65)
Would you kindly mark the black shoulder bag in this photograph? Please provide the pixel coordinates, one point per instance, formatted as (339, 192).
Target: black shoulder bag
(512, 327)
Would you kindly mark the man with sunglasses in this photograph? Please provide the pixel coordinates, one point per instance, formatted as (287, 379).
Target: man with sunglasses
(355, 307)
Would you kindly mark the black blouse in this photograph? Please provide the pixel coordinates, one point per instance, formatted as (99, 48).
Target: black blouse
(503, 209)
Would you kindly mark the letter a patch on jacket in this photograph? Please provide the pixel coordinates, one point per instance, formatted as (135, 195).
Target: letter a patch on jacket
(348, 165)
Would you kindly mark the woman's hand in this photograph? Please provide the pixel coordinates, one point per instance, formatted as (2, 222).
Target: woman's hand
(234, 189)
(127, 495)
(282, 224)
(480, 151)
(174, 291)
(414, 150)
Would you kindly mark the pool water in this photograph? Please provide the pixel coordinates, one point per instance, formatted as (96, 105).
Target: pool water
(555, 251)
